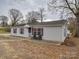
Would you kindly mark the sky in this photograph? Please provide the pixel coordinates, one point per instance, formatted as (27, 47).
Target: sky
(25, 6)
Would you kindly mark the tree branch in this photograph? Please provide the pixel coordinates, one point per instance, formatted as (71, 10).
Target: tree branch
(75, 4)
(69, 7)
(60, 6)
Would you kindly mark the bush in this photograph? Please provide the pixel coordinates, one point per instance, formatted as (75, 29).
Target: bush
(4, 29)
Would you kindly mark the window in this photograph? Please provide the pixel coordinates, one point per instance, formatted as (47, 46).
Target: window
(42, 31)
(29, 29)
(21, 31)
(33, 31)
(37, 31)
(15, 30)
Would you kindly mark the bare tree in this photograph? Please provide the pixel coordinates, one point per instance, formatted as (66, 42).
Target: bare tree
(41, 13)
(32, 16)
(72, 25)
(36, 15)
(4, 20)
(15, 16)
(71, 6)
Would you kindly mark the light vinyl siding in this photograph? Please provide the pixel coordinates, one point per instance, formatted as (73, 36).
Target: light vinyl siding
(52, 33)
(25, 34)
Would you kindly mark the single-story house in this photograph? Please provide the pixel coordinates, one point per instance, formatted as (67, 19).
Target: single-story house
(51, 31)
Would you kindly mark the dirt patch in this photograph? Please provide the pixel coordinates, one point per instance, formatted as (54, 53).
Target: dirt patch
(68, 42)
(29, 49)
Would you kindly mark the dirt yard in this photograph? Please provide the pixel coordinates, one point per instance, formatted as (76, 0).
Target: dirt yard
(76, 42)
(24, 48)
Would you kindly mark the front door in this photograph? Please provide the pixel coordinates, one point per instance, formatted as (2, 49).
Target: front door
(37, 33)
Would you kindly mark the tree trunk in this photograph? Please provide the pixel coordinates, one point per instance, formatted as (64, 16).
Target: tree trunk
(77, 26)
(3, 24)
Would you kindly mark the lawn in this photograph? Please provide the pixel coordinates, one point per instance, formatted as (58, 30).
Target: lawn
(25, 48)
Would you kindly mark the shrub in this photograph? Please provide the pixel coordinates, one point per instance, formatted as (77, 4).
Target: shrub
(4, 29)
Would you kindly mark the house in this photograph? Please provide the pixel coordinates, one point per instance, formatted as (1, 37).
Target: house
(51, 31)
(20, 30)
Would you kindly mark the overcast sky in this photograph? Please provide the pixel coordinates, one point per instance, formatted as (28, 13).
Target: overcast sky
(25, 6)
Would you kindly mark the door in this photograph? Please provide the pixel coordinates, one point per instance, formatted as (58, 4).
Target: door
(37, 33)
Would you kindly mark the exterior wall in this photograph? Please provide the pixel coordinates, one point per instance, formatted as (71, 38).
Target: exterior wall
(52, 34)
(49, 33)
(26, 34)
(64, 32)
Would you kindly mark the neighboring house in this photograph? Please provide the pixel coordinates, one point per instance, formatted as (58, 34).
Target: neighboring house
(51, 31)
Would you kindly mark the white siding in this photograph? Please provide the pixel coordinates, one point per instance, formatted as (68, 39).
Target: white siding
(49, 33)
(26, 34)
(53, 34)
(64, 28)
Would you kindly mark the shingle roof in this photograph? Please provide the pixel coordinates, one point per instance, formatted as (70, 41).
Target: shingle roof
(22, 25)
(57, 22)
